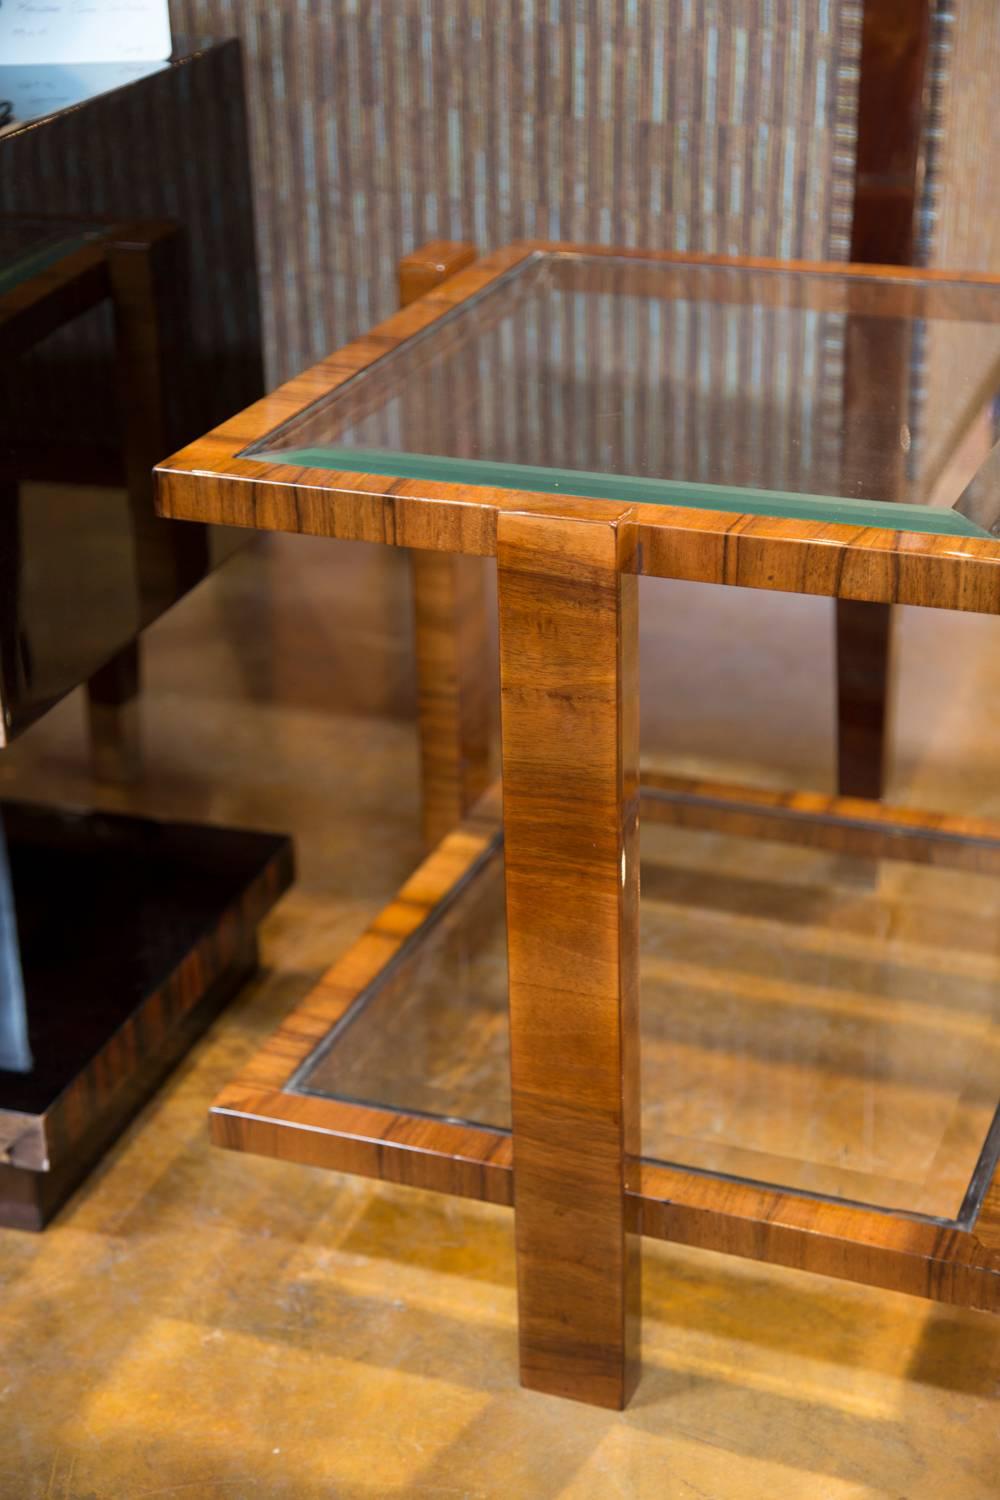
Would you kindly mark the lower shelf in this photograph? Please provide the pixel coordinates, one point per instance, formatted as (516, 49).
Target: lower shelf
(120, 940)
(819, 1044)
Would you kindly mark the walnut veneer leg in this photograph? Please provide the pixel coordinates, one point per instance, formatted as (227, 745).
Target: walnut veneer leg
(569, 714)
(456, 674)
(895, 46)
(455, 670)
(864, 640)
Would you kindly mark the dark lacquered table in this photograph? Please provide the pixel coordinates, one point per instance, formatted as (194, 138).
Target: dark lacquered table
(120, 938)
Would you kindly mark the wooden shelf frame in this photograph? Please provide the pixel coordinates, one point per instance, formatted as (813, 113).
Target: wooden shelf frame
(216, 480)
(261, 1113)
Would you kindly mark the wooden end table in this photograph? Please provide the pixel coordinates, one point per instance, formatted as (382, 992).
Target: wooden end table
(819, 1065)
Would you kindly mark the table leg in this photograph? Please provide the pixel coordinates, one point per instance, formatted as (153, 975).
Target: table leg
(569, 710)
(864, 638)
(456, 673)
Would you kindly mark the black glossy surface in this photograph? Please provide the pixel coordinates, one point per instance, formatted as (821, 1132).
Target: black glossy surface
(84, 563)
(106, 909)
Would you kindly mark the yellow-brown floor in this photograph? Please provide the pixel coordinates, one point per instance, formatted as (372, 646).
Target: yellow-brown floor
(197, 1323)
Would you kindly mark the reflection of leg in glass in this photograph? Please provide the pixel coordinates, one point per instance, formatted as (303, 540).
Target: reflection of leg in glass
(864, 641)
(15, 1051)
(113, 717)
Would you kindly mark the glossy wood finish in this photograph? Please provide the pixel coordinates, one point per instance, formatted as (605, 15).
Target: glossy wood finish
(862, 647)
(113, 717)
(169, 149)
(566, 568)
(455, 668)
(138, 270)
(140, 1001)
(842, 825)
(212, 481)
(895, 42)
(146, 286)
(895, 46)
(429, 265)
(456, 676)
(34, 308)
(156, 402)
(259, 1112)
(925, 1260)
(570, 735)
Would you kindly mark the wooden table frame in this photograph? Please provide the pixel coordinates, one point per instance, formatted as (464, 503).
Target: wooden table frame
(567, 571)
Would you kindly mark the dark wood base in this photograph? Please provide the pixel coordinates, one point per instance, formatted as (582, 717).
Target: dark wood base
(131, 937)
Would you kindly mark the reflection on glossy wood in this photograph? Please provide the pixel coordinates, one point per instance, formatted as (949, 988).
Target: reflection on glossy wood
(113, 717)
(456, 676)
(139, 270)
(842, 825)
(143, 963)
(570, 734)
(567, 589)
(260, 1113)
(888, 170)
(895, 41)
(794, 1029)
(863, 640)
(455, 669)
(429, 265)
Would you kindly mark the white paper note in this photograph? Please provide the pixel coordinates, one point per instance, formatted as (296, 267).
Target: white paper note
(83, 31)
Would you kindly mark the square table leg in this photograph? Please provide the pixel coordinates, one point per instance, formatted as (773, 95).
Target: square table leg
(569, 707)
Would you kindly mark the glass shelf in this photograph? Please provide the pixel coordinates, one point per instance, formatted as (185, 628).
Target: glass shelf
(808, 1021)
(852, 398)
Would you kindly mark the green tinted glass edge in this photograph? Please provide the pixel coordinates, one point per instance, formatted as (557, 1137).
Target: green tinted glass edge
(775, 503)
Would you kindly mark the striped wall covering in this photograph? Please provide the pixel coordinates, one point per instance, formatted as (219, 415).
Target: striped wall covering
(716, 125)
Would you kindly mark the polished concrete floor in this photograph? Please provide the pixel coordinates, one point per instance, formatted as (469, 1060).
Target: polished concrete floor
(200, 1324)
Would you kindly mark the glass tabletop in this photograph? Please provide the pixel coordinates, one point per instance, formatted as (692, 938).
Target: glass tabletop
(808, 1022)
(30, 245)
(870, 400)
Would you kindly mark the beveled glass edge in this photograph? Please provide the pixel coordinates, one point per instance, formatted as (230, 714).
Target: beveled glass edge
(889, 515)
(552, 481)
(965, 1218)
(259, 446)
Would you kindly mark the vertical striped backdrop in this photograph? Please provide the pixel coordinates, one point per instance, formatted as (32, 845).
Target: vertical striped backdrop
(714, 125)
